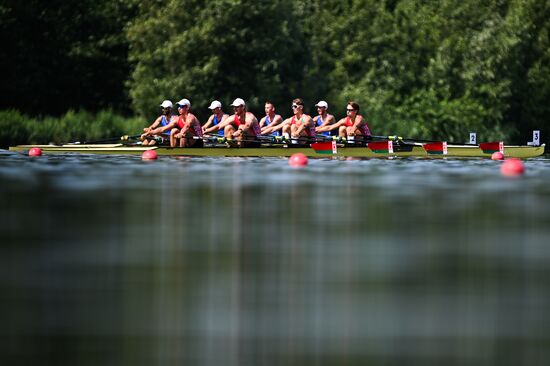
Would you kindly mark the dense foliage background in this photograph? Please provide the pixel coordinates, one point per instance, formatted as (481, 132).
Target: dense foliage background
(419, 68)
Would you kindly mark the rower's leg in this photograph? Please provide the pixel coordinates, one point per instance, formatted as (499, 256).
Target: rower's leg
(228, 131)
(173, 140)
(187, 140)
(293, 129)
(342, 131)
(287, 130)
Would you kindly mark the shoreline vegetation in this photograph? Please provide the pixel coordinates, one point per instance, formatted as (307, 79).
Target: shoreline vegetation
(17, 128)
(428, 69)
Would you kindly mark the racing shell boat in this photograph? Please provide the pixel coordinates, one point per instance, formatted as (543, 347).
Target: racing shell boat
(319, 149)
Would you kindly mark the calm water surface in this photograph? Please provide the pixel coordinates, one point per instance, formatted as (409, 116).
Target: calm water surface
(246, 261)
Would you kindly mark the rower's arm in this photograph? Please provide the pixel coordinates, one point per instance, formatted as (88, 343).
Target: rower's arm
(173, 122)
(248, 124)
(358, 121)
(226, 120)
(279, 125)
(332, 126)
(329, 121)
(153, 125)
(219, 127)
(208, 123)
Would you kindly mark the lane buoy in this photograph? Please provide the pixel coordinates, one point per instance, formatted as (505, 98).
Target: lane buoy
(297, 160)
(512, 167)
(149, 155)
(35, 151)
(497, 155)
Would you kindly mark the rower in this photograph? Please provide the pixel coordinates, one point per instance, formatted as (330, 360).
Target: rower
(353, 127)
(324, 119)
(157, 130)
(242, 126)
(298, 127)
(215, 121)
(271, 119)
(187, 131)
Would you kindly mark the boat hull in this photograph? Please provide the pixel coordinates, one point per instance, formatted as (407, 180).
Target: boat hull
(416, 150)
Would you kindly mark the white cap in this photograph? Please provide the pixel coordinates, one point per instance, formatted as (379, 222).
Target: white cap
(184, 102)
(322, 103)
(166, 104)
(237, 102)
(215, 104)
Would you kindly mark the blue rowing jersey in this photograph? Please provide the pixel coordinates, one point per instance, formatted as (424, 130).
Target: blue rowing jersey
(165, 122)
(215, 121)
(319, 122)
(267, 122)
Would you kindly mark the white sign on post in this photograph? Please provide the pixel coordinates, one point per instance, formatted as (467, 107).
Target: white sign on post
(473, 138)
(536, 138)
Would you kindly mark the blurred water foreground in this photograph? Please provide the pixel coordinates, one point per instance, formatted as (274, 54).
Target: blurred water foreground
(211, 261)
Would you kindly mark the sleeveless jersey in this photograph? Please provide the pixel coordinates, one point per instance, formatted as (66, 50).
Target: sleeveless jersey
(267, 122)
(216, 122)
(365, 131)
(255, 126)
(196, 129)
(319, 122)
(310, 131)
(165, 122)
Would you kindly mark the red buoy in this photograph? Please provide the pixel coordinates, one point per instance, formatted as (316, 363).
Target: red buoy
(497, 155)
(297, 160)
(512, 167)
(35, 151)
(149, 155)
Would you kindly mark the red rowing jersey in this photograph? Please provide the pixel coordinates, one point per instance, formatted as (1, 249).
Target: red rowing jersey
(365, 131)
(195, 130)
(255, 126)
(310, 131)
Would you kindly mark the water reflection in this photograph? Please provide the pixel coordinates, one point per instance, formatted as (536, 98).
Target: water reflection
(111, 260)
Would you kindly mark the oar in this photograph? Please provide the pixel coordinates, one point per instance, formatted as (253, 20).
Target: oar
(119, 138)
(399, 138)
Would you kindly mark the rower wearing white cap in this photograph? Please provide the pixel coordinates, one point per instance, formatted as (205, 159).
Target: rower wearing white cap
(324, 119)
(214, 123)
(242, 125)
(157, 128)
(187, 131)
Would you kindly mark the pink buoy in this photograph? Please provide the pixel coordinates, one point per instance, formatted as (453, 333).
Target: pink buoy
(512, 167)
(497, 155)
(297, 160)
(35, 151)
(149, 155)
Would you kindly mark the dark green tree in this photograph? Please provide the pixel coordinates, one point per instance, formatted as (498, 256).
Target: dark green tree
(58, 55)
(216, 49)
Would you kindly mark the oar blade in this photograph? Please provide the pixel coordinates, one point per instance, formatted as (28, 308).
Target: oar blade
(436, 148)
(325, 147)
(492, 147)
(381, 147)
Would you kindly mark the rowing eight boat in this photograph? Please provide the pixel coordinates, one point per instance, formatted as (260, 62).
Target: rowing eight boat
(268, 150)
